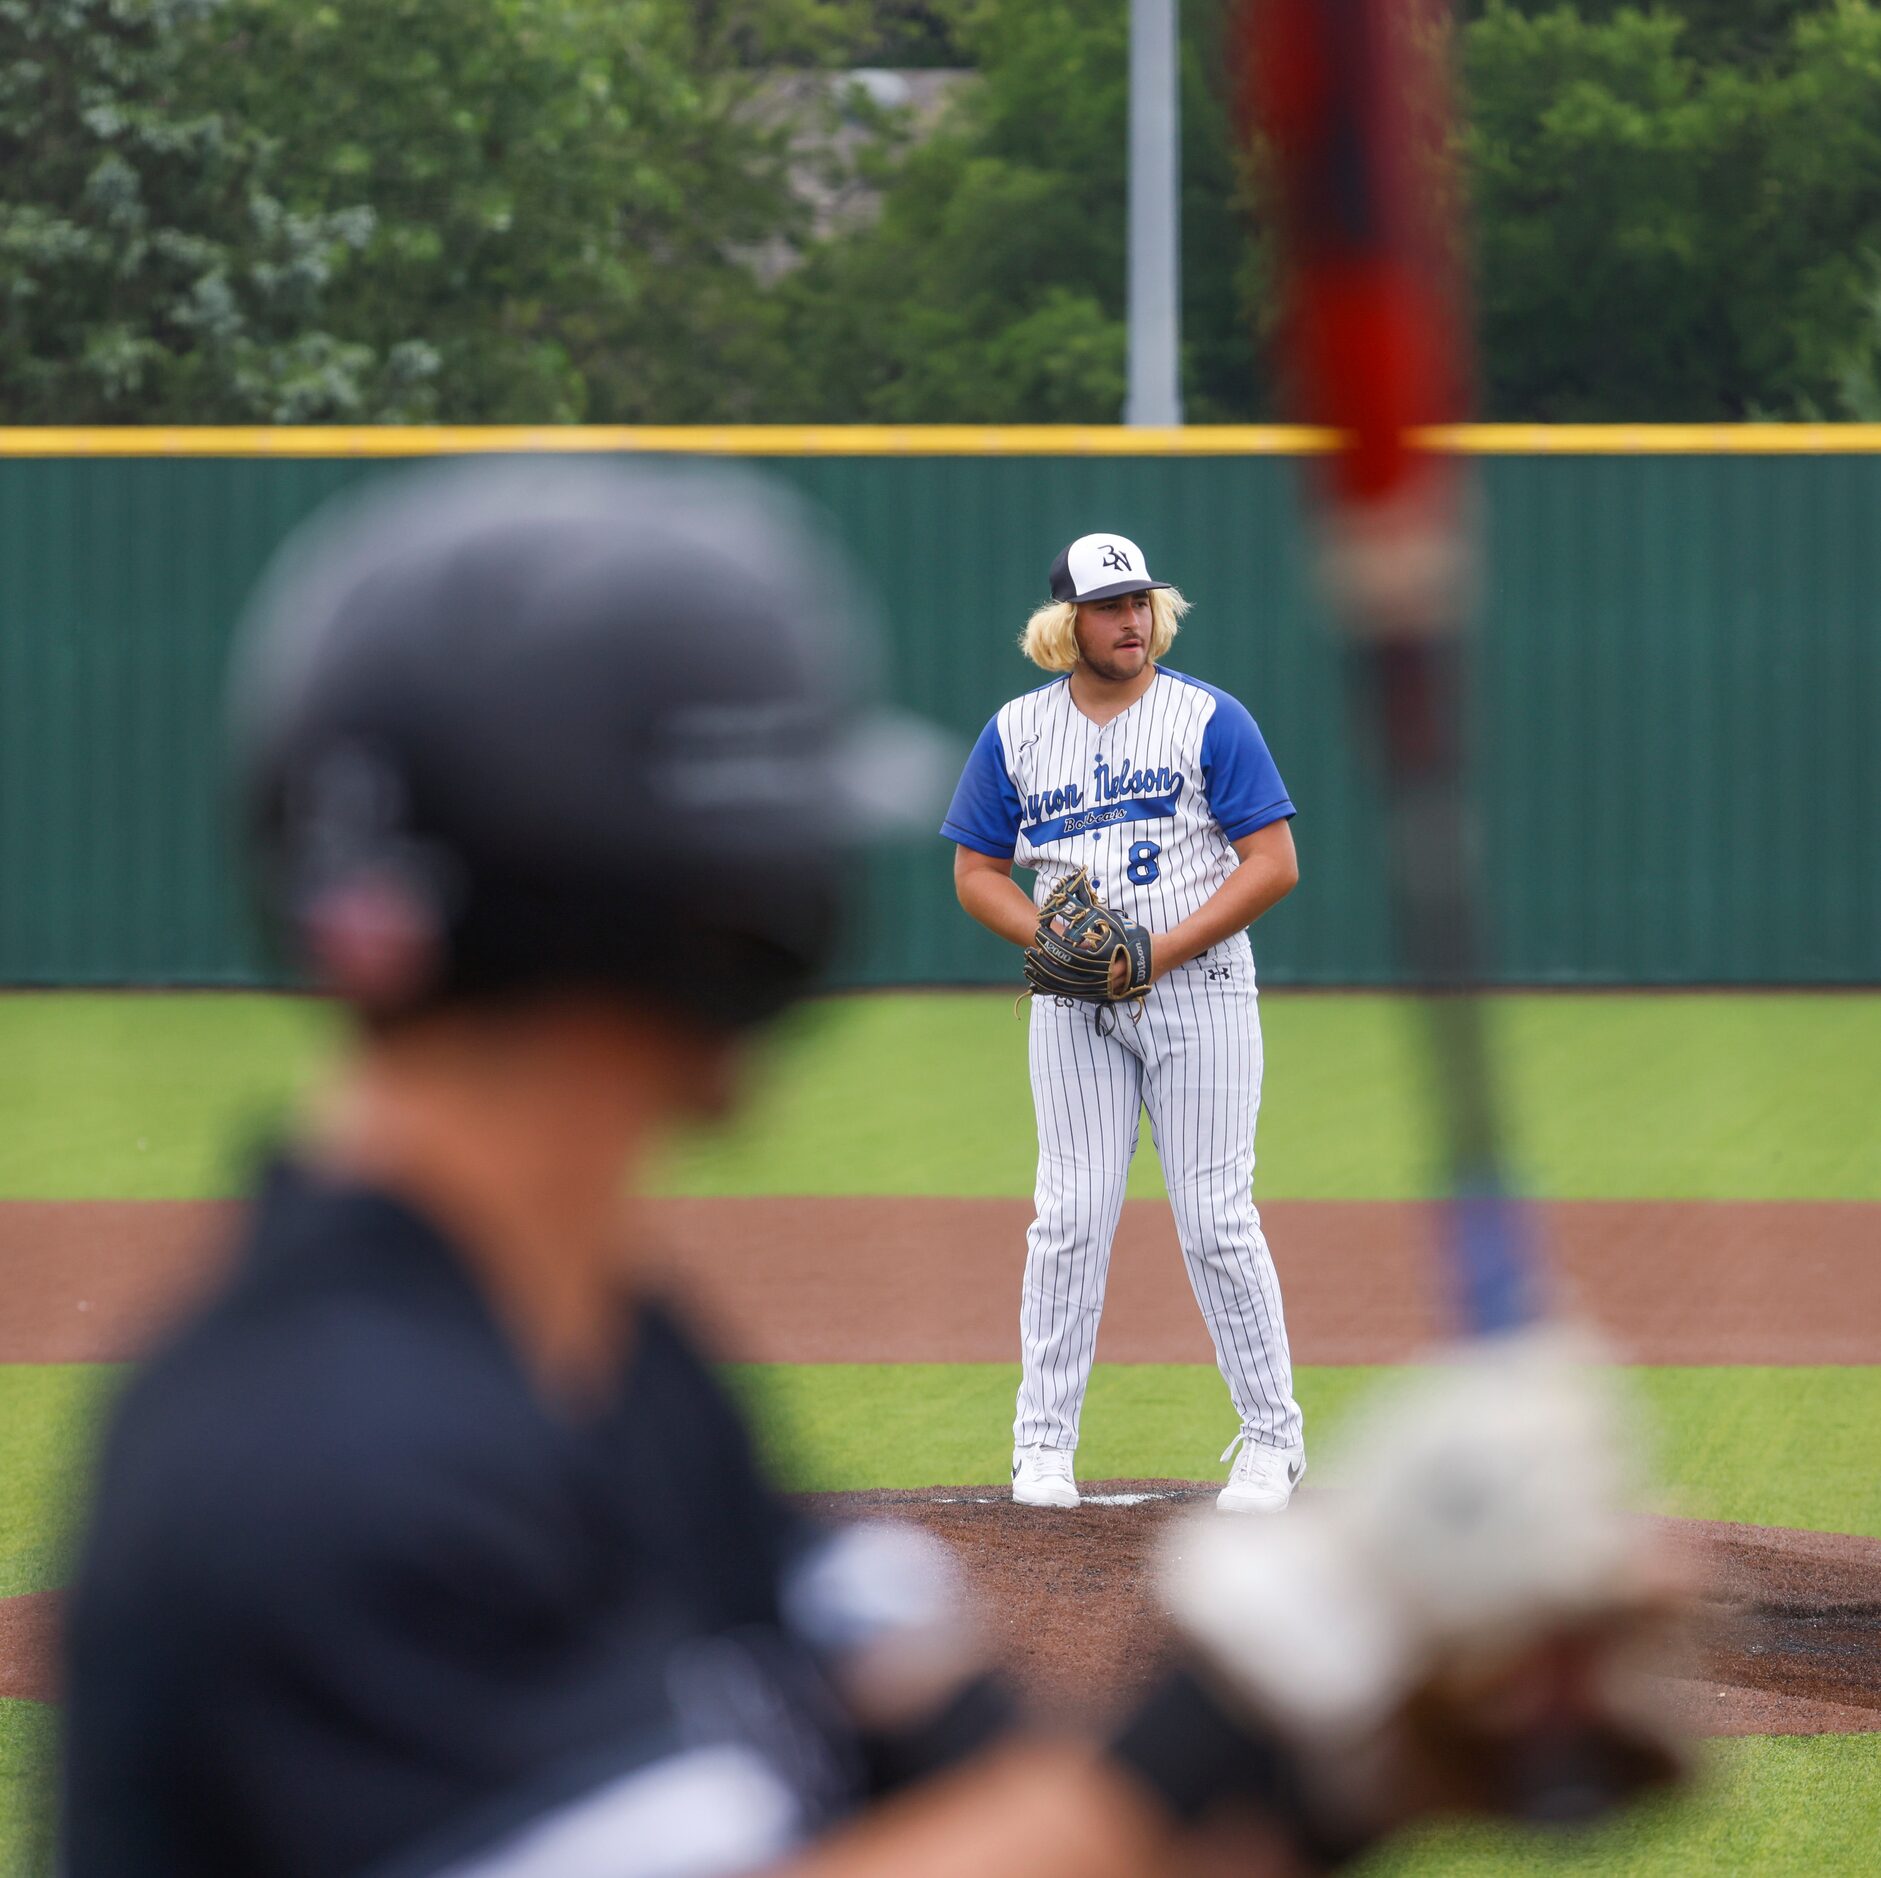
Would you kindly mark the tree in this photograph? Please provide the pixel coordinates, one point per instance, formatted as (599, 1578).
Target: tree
(528, 211)
(1593, 151)
(1808, 281)
(992, 288)
(1663, 238)
(908, 33)
(540, 211)
(562, 191)
(151, 267)
(1715, 32)
(1669, 224)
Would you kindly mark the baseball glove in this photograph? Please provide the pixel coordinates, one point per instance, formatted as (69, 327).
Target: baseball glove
(1078, 942)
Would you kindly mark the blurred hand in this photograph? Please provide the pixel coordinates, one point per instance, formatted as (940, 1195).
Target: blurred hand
(1477, 1622)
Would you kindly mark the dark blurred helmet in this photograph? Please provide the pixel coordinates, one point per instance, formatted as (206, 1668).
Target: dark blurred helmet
(513, 726)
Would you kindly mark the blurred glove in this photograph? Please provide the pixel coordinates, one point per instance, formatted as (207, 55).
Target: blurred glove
(1474, 1622)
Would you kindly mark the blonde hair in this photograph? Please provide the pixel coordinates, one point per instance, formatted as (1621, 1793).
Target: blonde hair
(1050, 639)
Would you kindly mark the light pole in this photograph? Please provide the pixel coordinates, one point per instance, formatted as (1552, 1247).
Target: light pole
(1155, 309)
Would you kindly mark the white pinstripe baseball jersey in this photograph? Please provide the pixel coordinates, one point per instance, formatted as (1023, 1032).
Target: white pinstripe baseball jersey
(1151, 802)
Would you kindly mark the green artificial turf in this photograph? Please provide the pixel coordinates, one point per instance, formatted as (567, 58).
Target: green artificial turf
(49, 1413)
(106, 1096)
(145, 1096)
(1774, 1447)
(28, 1731)
(1769, 1805)
(1632, 1097)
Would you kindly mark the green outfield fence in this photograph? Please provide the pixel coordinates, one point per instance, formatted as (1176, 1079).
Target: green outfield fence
(1680, 705)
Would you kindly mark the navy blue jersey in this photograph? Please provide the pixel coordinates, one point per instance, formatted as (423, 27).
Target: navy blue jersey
(356, 1598)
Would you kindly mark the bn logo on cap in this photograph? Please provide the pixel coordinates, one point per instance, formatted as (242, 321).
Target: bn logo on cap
(1100, 567)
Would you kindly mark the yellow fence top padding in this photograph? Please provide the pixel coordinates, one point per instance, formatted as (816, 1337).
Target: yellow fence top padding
(921, 440)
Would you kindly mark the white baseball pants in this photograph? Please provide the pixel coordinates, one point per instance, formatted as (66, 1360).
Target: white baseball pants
(1194, 1063)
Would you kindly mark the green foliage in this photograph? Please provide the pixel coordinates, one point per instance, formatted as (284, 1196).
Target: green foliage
(1664, 238)
(154, 265)
(908, 33)
(1815, 256)
(1717, 32)
(311, 210)
(541, 211)
(992, 288)
(560, 188)
(1674, 222)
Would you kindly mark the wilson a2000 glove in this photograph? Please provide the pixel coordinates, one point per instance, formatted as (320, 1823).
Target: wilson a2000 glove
(1079, 940)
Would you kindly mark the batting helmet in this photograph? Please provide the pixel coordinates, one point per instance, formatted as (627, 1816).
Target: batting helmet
(513, 726)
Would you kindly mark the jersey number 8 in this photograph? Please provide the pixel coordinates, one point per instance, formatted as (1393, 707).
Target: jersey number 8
(1143, 869)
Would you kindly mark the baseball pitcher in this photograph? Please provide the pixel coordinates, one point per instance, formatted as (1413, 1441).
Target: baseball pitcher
(1158, 830)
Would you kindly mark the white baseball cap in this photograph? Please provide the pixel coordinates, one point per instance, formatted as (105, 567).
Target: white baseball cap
(1099, 567)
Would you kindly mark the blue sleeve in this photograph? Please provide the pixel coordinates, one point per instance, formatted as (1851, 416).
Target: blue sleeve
(984, 814)
(1243, 786)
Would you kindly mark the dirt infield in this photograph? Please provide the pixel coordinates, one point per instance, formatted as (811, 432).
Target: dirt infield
(1795, 1616)
(29, 1645)
(933, 1280)
(1064, 1597)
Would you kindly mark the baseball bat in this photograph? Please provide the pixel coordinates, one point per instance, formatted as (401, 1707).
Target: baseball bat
(1345, 104)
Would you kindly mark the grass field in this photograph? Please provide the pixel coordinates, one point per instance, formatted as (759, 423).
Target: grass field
(1774, 1447)
(1701, 1097)
(1675, 1097)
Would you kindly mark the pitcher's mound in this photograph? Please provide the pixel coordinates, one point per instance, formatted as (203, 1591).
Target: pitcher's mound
(1065, 1599)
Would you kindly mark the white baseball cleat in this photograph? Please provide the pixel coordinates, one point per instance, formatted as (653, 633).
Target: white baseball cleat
(1042, 1477)
(1263, 1478)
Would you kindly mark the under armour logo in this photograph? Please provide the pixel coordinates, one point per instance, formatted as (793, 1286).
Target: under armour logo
(1114, 556)
(1217, 973)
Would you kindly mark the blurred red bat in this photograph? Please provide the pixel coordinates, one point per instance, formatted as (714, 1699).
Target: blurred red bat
(1347, 103)
(1350, 99)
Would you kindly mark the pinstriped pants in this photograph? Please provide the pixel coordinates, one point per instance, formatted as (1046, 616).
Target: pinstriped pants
(1194, 1063)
